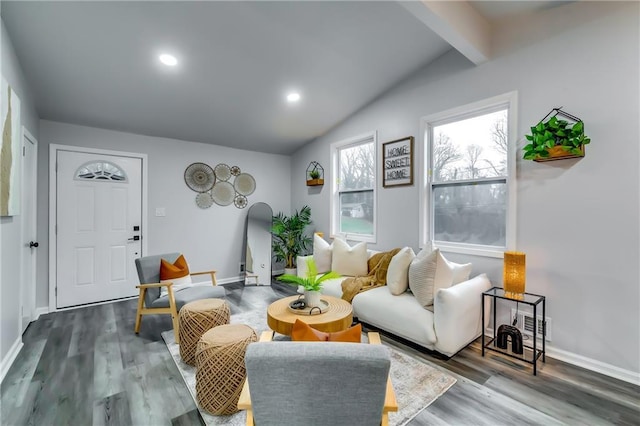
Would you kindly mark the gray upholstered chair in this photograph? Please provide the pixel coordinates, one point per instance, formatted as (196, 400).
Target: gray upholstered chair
(329, 383)
(150, 302)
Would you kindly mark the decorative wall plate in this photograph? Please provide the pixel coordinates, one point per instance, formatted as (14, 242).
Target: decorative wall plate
(223, 193)
(235, 170)
(199, 177)
(244, 184)
(204, 200)
(240, 201)
(223, 172)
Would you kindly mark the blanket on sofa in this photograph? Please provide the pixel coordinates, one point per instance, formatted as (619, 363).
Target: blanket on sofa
(377, 276)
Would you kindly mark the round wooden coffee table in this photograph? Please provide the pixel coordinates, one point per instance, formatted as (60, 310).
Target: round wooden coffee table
(339, 316)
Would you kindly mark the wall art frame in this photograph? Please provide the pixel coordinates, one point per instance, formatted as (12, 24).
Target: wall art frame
(397, 162)
(10, 152)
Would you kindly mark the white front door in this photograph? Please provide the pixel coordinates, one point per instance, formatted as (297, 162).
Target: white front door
(29, 238)
(99, 217)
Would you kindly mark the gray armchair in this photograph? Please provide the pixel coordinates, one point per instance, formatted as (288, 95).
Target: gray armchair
(329, 383)
(150, 302)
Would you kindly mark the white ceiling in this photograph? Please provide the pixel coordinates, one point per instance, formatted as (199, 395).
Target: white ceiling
(95, 64)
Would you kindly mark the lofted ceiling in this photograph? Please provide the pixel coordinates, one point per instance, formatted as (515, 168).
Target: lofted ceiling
(96, 64)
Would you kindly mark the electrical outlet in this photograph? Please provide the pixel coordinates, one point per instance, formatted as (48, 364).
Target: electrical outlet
(242, 267)
(526, 323)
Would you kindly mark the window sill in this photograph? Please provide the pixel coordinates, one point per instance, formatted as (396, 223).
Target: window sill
(355, 237)
(471, 249)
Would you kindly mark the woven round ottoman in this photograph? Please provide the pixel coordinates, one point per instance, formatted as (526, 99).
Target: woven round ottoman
(220, 366)
(196, 318)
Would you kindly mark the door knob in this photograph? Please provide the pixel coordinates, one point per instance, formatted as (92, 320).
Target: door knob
(33, 244)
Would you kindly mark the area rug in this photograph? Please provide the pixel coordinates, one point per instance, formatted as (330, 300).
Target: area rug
(416, 383)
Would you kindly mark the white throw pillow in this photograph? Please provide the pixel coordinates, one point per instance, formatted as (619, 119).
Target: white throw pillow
(449, 273)
(349, 261)
(178, 284)
(322, 254)
(425, 251)
(422, 274)
(398, 271)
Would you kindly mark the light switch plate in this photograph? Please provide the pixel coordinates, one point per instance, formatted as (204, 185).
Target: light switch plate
(160, 212)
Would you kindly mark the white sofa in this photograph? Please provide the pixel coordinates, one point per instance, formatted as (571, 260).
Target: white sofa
(449, 325)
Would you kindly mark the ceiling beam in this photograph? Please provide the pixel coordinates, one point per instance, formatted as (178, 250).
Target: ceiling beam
(458, 23)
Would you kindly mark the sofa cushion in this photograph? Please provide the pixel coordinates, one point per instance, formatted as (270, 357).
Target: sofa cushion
(322, 254)
(350, 261)
(190, 294)
(398, 272)
(422, 275)
(401, 315)
(333, 287)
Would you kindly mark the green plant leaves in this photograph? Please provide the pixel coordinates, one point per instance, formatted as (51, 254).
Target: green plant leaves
(554, 132)
(311, 282)
(289, 240)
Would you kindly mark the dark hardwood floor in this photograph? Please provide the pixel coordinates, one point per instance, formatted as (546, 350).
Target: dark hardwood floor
(87, 367)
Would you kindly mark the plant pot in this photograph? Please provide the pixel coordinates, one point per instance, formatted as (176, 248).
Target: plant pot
(559, 153)
(291, 271)
(315, 182)
(312, 298)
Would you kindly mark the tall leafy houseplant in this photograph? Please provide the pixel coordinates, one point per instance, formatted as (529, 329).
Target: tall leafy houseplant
(289, 240)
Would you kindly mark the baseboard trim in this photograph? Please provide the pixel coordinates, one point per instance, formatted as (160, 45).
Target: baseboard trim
(220, 281)
(7, 361)
(594, 365)
(588, 363)
(41, 311)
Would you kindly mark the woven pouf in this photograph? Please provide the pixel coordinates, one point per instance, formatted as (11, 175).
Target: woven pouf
(196, 318)
(220, 367)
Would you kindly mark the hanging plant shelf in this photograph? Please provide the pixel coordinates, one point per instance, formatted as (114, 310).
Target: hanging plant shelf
(559, 153)
(315, 182)
(315, 174)
(558, 136)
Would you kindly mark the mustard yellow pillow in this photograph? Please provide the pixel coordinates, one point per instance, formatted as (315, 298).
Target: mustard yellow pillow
(303, 332)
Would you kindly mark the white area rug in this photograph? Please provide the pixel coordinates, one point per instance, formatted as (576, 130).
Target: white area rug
(416, 383)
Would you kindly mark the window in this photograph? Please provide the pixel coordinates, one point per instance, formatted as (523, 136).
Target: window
(100, 170)
(469, 193)
(353, 204)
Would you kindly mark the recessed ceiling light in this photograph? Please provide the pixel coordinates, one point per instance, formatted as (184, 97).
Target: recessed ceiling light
(293, 97)
(169, 60)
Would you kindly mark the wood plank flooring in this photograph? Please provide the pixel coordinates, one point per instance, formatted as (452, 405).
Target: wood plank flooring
(87, 367)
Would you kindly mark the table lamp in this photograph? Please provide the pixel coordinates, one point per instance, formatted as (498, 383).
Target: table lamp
(514, 273)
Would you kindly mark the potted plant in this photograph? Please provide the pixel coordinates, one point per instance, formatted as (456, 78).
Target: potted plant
(556, 139)
(315, 174)
(312, 283)
(289, 240)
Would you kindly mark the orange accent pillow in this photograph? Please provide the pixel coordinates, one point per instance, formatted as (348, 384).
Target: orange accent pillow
(177, 269)
(303, 332)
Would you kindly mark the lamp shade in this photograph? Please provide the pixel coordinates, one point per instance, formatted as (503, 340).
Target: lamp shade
(514, 272)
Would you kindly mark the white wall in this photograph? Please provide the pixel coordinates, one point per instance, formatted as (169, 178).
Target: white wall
(210, 238)
(578, 220)
(10, 227)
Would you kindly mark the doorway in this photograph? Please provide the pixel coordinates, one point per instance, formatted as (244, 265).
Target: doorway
(98, 230)
(29, 239)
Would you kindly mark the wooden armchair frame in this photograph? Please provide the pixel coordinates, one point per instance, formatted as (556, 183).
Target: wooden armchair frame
(390, 403)
(171, 309)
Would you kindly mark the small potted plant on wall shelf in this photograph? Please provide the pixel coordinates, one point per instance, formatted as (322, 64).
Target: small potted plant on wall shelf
(555, 138)
(315, 174)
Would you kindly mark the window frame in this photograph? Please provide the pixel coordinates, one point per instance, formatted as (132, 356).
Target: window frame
(427, 123)
(334, 202)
